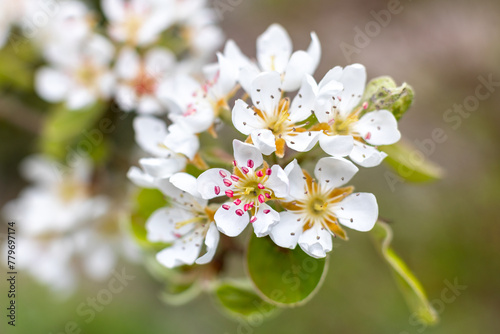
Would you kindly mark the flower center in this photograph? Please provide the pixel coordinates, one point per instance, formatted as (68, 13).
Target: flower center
(144, 84)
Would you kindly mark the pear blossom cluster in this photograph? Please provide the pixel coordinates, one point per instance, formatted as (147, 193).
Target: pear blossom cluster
(282, 123)
(142, 43)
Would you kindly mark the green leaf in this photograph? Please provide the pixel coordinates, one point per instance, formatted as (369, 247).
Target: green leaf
(283, 276)
(65, 129)
(239, 299)
(382, 93)
(147, 202)
(410, 286)
(180, 294)
(410, 163)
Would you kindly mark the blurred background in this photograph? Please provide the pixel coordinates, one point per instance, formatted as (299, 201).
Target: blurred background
(447, 231)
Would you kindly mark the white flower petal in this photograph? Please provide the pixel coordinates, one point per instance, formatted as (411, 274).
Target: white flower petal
(267, 217)
(233, 53)
(140, 178)
(210, 183)
(51, 85)
(264, 140)
(274, 48)
(163, 167)
(150, 132)
(181, 141)
(334, 172)
(247, 75)
(302, 141)
(314, 51)
(303, 103)
(79, 98)
(357, 211)
(378, 128)
(182, 252)
(128, 64)
(287, 232)
(244, 152)
(336, 145)
(278, 182)
(354, 80)
(316, 241)
(161, 225)
(211, 242)
(299, 65)
(265, 92)
(185, 182)
(229, 222)
(244, 118)
(158, 62)
(366, 155)
(296, 181)
(149, 105)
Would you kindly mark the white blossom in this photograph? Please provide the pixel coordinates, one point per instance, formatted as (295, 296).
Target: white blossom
(275, 53)
(346, 130)
(314, 209)
(273, 123)
(186, 224)
(248, 188)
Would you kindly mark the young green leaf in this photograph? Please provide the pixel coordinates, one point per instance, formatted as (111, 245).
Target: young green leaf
(410, 163)
(410, 286)
(283, 276)
(239, 299)
(382, 93)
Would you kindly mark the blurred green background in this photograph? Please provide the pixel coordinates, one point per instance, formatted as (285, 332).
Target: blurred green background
(446, 230)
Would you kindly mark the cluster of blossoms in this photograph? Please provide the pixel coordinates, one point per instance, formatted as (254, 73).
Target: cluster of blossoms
(143, 43)
(266, 187)
(66, 230)
(69, 222)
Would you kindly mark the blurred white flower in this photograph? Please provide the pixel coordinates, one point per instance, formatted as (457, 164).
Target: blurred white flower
(274, 53)
(273, 123)
(63, 229)
(248, 188)
(314, 209)
(81, 76)
(139, 79)
(137, 22)
(344, 131)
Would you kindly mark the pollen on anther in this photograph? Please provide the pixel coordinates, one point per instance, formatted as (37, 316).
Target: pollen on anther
(239, 212)
(268, 171)
(244, 170)
(260, 185)
(226, 207)
(250, 163)
(267, 211)
(217, 190)
(237, 201)
(368, 136)
(259, 173)
(268, 195)
(229, 193)
(222, 173)
(227, 183)
(235, 178)
(253, 219)
(261, 198)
